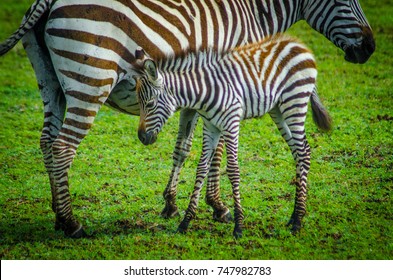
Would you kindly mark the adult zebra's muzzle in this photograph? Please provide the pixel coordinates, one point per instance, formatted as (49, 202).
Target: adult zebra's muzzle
(361, 53)
(147, 138)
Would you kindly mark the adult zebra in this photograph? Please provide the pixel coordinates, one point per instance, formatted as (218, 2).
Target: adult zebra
(275, 76)
(82, 55)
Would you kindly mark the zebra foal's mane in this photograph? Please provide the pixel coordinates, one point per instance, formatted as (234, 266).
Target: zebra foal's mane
(189, 60)
(192, 61)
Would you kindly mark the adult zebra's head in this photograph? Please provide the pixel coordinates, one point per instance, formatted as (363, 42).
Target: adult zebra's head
(155, 102)
(344, 23)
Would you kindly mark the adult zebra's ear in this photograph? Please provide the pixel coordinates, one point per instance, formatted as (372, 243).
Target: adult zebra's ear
(151, 69)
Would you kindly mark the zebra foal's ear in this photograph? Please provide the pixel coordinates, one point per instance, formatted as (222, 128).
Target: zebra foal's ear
(140, 54)
(151, 69)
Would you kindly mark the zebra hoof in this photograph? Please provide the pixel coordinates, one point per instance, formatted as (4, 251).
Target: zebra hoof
(76, 234)
(295, 229)
(183, 227)
(224, 216)
(295, 225)
(237, 233)
(170, 212)
(79, 234)
(181, 230)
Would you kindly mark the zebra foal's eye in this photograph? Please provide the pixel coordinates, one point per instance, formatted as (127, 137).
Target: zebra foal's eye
(151, 104)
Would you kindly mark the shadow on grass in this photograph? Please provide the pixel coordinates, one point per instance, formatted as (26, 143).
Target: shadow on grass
(37, 230)
(42, 229)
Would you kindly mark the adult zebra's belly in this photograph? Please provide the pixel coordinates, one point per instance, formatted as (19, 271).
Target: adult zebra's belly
(123, 98)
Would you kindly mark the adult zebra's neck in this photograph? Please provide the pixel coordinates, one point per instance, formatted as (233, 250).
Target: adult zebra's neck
(276, 16)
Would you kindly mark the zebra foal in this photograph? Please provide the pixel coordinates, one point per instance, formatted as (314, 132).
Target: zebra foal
(275, 76)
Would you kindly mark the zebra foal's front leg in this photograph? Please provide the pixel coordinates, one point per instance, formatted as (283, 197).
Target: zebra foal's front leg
(187, 124)
(210, 142)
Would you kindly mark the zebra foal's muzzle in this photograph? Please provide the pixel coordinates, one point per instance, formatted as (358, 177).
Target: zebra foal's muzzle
(147, 138)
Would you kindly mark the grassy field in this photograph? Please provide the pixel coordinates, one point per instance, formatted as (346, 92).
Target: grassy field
(117, 183)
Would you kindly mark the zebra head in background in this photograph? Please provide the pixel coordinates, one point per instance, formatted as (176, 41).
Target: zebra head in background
(344, 23)
(155, 101)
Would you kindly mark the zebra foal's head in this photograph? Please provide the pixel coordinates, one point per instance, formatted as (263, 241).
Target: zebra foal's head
(155, 102)
(344, 23)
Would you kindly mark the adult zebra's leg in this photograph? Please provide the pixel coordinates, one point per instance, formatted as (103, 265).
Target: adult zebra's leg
(292, 130)
(54, 108)
(53, 100)
(221, 212)
(77, 122)
(187, 124)
(210, 142)
(232, 141)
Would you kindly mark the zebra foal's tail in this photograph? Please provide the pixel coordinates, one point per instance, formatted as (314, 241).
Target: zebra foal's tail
(320, 115)
(37, 9)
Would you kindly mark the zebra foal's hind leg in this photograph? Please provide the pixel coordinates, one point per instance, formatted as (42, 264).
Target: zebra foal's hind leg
(221, 212)
(302, 168)
(292, 130)
(232, 143)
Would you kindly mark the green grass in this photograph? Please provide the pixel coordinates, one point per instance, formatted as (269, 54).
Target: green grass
(117, 183)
